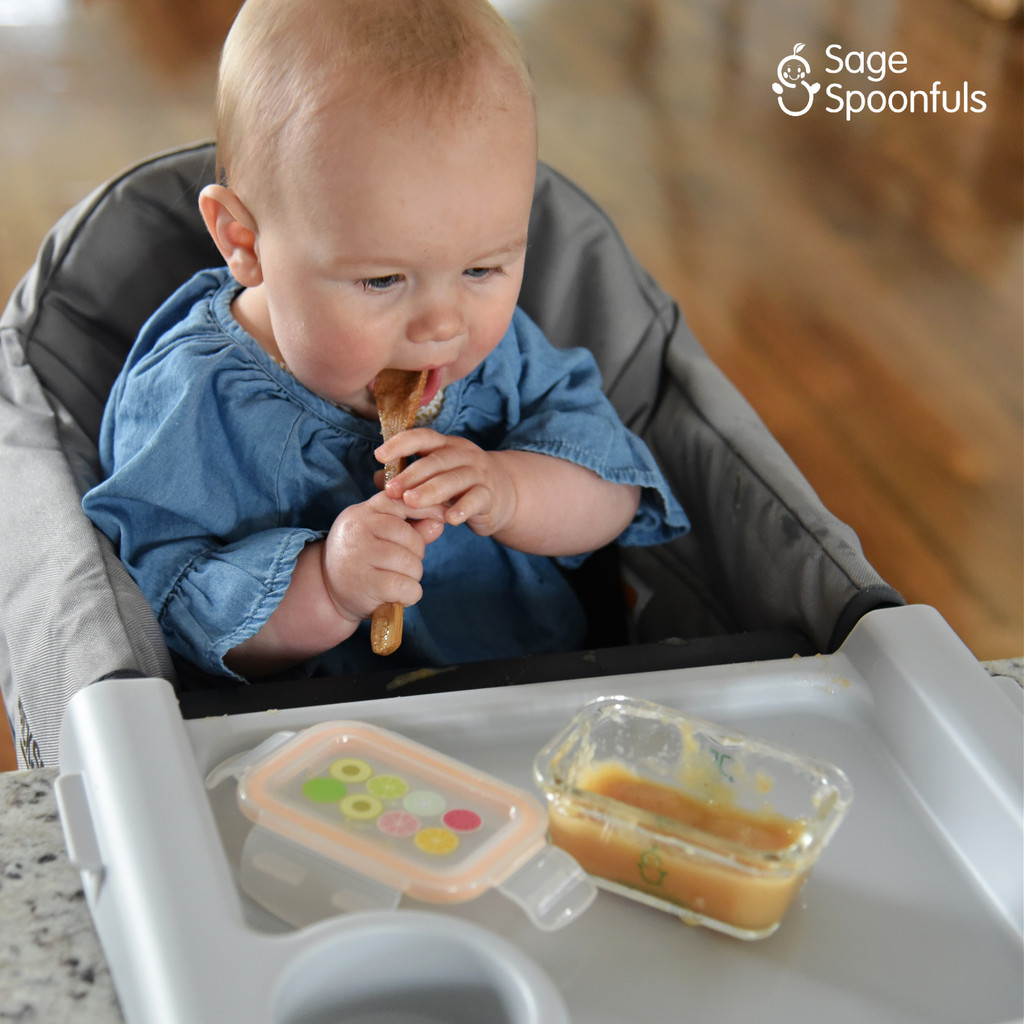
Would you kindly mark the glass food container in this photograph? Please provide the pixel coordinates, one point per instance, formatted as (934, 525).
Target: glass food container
(706, 823)
(349, 816)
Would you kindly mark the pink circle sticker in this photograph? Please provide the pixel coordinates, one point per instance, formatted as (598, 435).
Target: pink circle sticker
(461, 819)
(399, 824)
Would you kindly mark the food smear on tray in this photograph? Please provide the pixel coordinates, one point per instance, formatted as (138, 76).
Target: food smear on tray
(734, 890)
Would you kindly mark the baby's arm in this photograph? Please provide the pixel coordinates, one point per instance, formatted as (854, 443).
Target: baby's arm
(532, 502)
(371, 555)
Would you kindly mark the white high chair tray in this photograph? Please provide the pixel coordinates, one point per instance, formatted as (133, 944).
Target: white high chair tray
(913, 913)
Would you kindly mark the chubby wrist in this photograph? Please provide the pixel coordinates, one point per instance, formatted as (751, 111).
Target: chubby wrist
(317, 599)
(307, 622)
(513, 474)
(563, 508)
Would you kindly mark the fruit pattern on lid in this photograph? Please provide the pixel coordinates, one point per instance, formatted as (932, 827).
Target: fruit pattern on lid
(354, 795)
(387, 807)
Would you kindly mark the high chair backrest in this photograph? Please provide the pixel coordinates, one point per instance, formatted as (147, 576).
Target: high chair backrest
(763, 554)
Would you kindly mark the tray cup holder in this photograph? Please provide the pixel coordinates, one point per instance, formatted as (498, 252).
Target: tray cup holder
(412, 967)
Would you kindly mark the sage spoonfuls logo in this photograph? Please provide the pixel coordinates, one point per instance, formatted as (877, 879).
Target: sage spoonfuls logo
(792, 71)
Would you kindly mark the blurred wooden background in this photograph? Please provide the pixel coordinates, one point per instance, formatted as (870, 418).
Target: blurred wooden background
(860, 281)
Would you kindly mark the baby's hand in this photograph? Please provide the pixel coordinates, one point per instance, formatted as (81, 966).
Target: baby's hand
(451, 471)
(374, 554)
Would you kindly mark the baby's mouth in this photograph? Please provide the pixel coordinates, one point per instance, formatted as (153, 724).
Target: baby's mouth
(435, 377)
(432, 386)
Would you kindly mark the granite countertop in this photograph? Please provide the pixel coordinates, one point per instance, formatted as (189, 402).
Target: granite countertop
(52, 969)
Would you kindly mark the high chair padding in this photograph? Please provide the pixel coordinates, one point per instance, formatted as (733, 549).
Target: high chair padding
(764, 553)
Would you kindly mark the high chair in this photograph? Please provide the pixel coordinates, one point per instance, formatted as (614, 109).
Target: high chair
(766, 571)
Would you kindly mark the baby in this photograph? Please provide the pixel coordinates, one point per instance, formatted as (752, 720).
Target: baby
(376, 165)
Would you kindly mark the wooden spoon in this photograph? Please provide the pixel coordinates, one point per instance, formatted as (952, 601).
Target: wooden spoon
(398, 394)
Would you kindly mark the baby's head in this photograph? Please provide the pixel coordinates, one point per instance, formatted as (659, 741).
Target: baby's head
(376, 161)
(290, 67)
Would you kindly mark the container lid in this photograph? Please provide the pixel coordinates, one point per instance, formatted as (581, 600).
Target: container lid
(410, 818)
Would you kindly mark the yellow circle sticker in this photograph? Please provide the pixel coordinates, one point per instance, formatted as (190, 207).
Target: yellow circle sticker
(436, 840)
(350, 769)
(361, 807)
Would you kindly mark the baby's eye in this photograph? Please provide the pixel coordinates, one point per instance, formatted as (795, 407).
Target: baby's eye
(482, 273)
(380, 284)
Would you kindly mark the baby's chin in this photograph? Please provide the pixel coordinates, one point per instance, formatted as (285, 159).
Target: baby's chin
(361, 404)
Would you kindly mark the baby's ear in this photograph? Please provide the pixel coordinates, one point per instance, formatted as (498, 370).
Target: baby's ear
(234, 231)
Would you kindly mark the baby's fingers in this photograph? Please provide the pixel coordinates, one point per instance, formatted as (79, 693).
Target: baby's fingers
(384, 501)
(440, 475)
(474, 507)
(428, 529)
(433, 485)
(419, 441)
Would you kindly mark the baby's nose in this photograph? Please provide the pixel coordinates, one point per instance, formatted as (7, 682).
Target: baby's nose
(438, 316)
(440, 321)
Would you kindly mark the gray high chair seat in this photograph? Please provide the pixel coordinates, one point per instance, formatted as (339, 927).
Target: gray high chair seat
(767, 570)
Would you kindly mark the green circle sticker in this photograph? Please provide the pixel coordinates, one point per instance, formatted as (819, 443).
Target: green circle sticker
(323, 791)
(387, 787)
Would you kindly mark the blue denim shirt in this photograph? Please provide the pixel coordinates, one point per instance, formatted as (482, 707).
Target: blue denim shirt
(220, 467)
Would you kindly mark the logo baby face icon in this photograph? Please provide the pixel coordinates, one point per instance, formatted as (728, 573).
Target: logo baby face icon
(792, 71)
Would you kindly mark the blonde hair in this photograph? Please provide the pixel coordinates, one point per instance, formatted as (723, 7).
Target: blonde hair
(285, 60)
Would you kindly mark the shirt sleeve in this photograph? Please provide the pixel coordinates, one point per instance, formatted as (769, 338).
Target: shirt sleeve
(559, 409)
(203, 538)
(226, 594)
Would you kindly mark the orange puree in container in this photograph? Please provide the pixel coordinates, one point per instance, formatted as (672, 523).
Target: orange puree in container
(742, 887)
